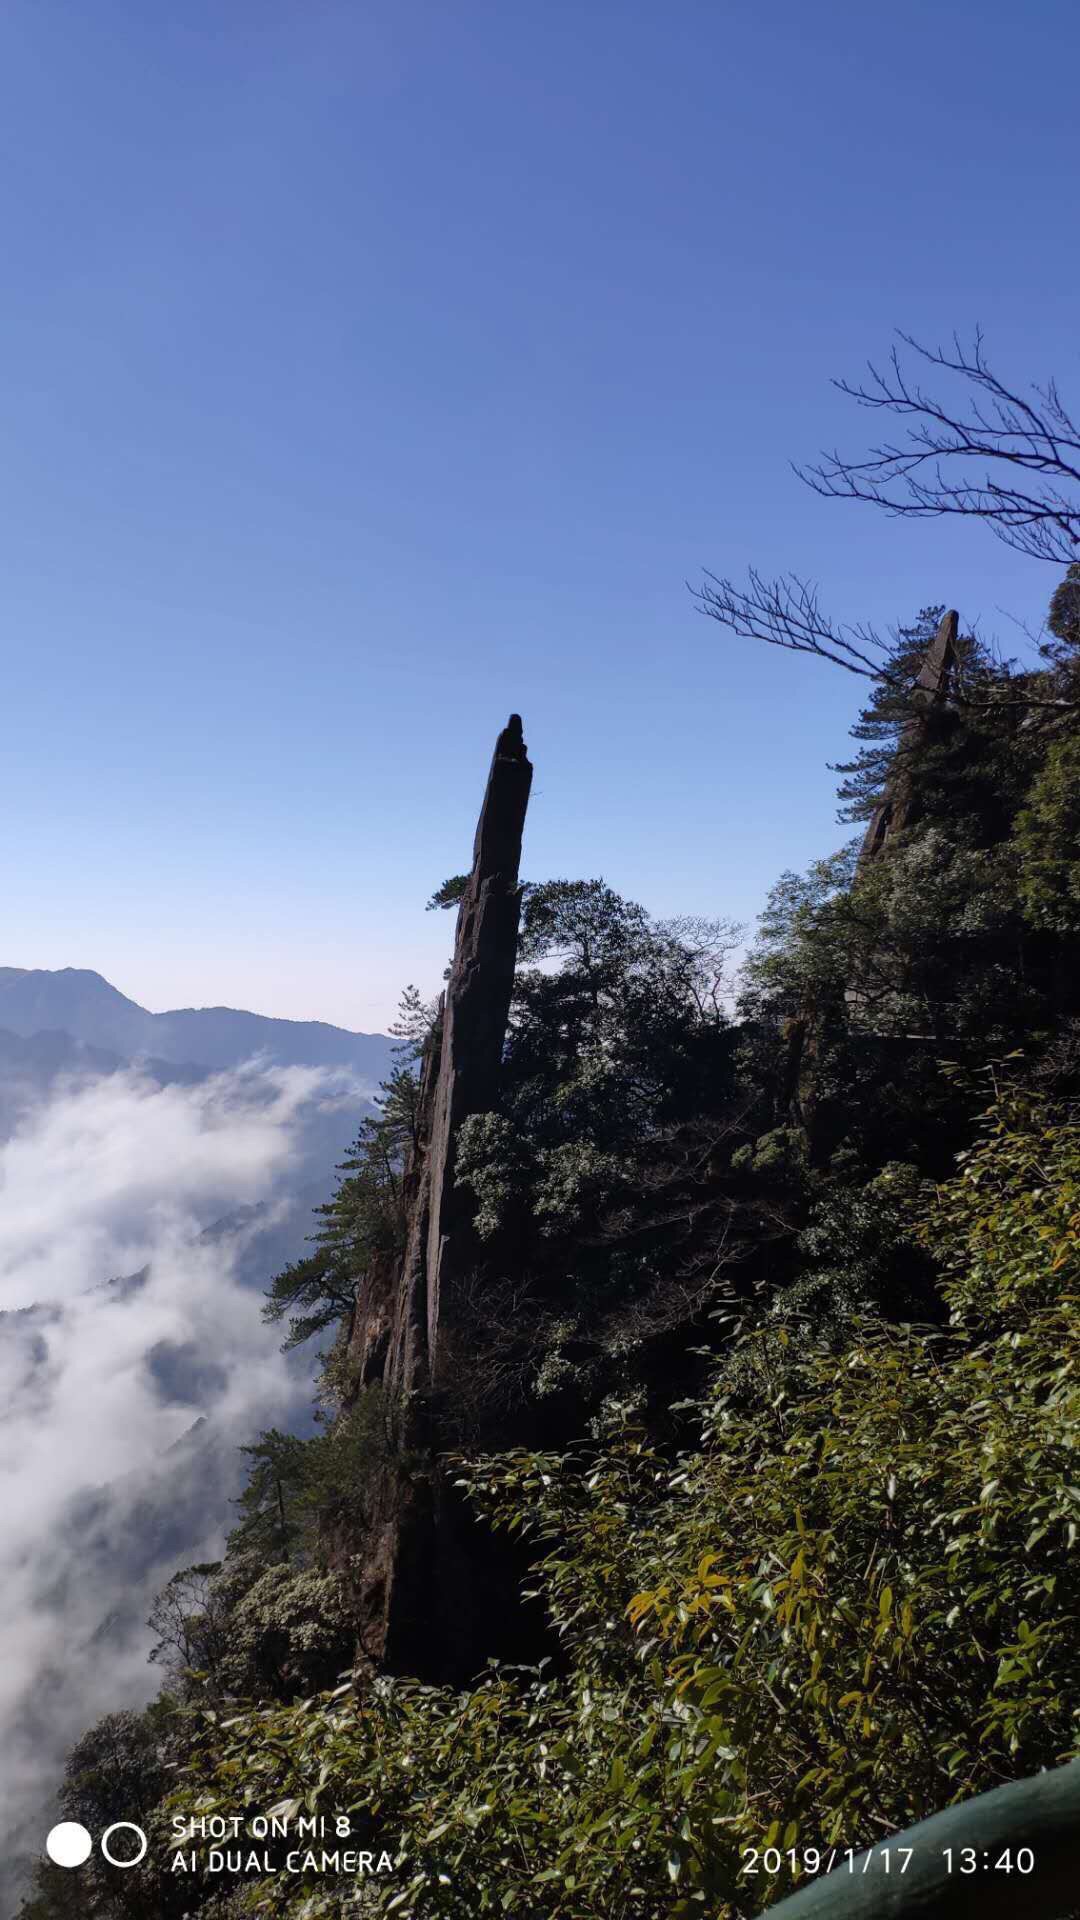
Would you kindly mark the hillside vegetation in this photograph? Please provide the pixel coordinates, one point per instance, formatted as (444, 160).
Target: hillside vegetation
(769, 1387)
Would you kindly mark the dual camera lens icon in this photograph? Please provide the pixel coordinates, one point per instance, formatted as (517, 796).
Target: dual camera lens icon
(69, 1844)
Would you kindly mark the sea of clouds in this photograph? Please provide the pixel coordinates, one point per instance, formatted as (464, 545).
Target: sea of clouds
(133, 1364)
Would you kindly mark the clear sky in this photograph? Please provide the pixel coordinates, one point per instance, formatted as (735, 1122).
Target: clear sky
(373, 369)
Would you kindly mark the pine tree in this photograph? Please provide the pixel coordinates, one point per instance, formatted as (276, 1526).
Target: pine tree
(366, 1215)
(268, 1519)
(1064, 617)
(883, 720)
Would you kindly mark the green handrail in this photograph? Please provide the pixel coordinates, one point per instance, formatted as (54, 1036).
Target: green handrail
(1040, 1816)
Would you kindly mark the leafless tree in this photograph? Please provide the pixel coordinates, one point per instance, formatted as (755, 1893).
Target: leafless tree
(785, 613)
(997, 456)
(189, 1619)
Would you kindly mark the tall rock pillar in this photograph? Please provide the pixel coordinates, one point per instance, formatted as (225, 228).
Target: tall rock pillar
(413, 1561)
(476, 1012)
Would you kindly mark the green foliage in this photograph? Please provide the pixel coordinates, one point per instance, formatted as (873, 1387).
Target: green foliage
(340, 1463)
(364, 1221)
(114, 1771)
(599, 1185)
(493, 1161)
(882, 721)
(1064, 617)
(865, 976)
(119, 1770)
(415, 1025)
(270, 1523)
(450, 893)
(850, 1604)
(1047, 840)
(1009, 1222)
(290, 1632)
(575, 1181)
(251, 1629)
(271, 1621)
(778, 1156)
(809, 942)
(924, 943)
(859, 1255)
(323, 1284)
(844, 1595)
(189, 1622)
(964, 769)
(617, 1093)
(298, 1490)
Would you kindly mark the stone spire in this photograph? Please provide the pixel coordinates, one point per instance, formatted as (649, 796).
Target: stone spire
(476, 1011)
(405, 1306)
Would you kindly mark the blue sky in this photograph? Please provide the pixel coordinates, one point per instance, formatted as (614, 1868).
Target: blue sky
(372, 370)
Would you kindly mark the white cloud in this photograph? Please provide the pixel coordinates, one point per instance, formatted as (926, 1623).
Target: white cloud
(104, 1180)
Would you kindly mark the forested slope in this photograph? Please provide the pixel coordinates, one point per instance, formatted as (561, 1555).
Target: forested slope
(770, 1391)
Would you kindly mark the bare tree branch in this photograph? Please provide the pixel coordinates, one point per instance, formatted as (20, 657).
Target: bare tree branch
(1016, 460)
(785, 613)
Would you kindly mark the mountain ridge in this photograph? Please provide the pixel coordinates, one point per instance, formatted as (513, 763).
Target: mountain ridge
(80, 1002)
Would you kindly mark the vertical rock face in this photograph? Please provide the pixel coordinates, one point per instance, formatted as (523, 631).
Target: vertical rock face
(475, 1016)
(412, 1553)
(934, 675)
(932, 686)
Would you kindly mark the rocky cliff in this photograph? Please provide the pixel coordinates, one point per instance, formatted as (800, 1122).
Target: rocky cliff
(420, 1564)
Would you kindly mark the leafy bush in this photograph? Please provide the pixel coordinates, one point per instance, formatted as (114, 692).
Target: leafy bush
(291, 1632)
(850, 1604)
(1048, 842)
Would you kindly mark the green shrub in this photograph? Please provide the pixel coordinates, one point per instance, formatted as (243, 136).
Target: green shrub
(851, 1604)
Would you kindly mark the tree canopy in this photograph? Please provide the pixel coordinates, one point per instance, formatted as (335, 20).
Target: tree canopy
(766, 1373)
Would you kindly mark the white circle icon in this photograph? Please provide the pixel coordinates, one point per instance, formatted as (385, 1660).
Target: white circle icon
(118, 1826)
(68, 1845)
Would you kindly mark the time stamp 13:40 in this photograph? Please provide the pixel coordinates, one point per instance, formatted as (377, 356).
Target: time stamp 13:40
(811, 1860)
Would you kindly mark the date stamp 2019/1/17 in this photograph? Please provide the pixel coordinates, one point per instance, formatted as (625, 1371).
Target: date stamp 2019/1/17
(809, 1861)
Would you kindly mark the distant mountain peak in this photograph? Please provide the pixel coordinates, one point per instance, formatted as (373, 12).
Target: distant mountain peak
(81, 1003)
